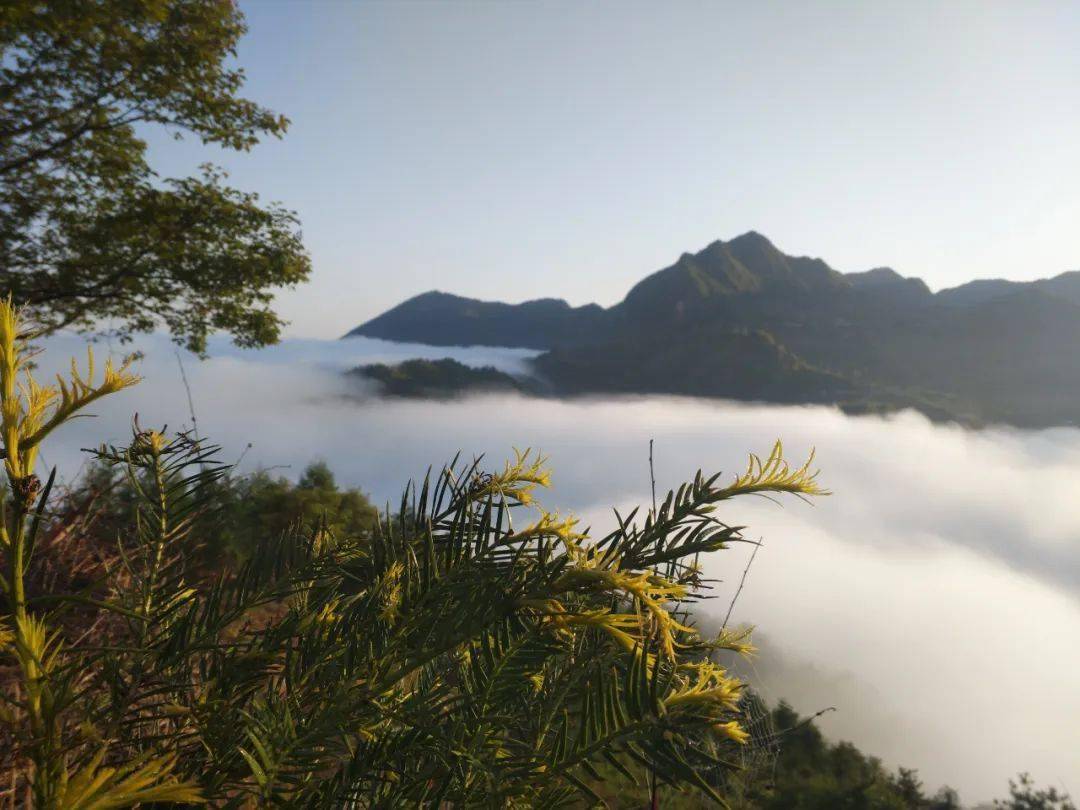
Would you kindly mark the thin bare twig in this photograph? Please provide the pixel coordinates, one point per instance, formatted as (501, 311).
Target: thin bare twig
(190, 401)
(654, 786)
(742, 582)
(808, 720)
(652, 477)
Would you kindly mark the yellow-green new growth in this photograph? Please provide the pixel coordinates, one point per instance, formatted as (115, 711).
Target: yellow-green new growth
(701, 689)
(519, 479)
(776, 475)
(30, 411)
(735, 640)
(551, 525)
(97, 786)
(650, 592)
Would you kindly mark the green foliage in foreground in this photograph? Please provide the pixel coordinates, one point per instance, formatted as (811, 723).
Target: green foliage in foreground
(467, 650)
(794, 767)
(457, 652)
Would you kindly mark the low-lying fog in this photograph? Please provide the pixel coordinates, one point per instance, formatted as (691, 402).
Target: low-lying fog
(934, 599)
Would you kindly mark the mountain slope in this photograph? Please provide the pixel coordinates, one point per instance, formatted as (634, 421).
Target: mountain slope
(742, 319)
(706, 361)
(1065, 286)
(441, 319)
(747, 266)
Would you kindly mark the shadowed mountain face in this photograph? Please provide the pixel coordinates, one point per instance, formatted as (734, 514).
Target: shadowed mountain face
(741, 319)
(440, 319)
(1065, 286)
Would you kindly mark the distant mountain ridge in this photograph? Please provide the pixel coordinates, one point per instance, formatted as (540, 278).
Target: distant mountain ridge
(442, 319)
(742, 319)
(1065, 285)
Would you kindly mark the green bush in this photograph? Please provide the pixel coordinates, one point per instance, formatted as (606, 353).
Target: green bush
(467, 649)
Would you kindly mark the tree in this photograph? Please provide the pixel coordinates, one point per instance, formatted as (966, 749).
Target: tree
(1024, 795)
(241, 511)
(90, 236)
(258, 506)
(811, 773)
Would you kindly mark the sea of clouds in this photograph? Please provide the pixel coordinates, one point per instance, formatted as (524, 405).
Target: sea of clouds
(933, 599)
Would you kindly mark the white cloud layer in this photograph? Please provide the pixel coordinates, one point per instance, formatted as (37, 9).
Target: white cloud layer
(934, 599)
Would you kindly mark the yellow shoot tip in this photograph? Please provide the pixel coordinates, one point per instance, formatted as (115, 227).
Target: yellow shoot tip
(733, 731)
(518, 479)
(707, 686)
(776, 475)
(737, 641)
(30, 411)
(551, 525)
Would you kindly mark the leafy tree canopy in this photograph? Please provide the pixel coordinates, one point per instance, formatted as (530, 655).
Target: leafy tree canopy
(90, 236)
(1024, 795)
(242, 511)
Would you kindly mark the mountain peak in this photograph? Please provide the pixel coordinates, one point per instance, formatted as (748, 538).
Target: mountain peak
(746, 265)
(885, 279)
(880, 274)
(441, 319)
(875, 277)
(752, 238)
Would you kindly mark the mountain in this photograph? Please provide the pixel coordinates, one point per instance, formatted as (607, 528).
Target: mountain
(884, 281)
(741, 319)
(704, 361)
(441, 319)
(747, 267)
(1065, 286)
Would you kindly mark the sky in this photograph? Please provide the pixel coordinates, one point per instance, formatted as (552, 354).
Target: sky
(514, 150)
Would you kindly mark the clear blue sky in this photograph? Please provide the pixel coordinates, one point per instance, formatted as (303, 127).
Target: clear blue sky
(512, 150)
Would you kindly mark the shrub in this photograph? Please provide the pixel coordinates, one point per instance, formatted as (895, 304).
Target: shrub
(466, 649)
